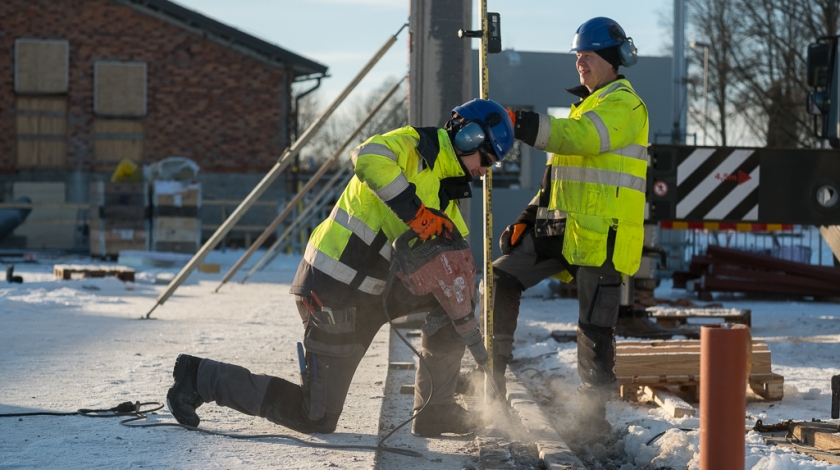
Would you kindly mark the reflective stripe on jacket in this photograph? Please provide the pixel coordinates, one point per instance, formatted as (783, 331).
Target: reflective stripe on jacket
(596, 177)
(349, 252)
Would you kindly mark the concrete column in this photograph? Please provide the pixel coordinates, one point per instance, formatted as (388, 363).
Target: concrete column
(440, 65)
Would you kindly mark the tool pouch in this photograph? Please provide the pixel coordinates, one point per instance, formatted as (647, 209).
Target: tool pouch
(324, 340)
(331, 339)
(603, 311)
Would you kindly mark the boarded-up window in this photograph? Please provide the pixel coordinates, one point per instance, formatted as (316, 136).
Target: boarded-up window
(119, 89)
(41, 66)
(115, 140)
(41, 132)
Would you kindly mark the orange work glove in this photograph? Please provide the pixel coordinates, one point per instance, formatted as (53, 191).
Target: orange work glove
(430, 222)
(512, 115)
(511, 237)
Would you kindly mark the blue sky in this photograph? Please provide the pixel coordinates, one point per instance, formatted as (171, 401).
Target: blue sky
(344, 34)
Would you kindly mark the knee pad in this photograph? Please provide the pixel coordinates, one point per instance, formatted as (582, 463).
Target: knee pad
(284, 405)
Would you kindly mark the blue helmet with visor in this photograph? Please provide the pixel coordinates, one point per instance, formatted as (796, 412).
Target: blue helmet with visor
(486, 128)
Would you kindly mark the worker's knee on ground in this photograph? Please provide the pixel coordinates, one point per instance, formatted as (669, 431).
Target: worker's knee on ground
(444, 340)
(283, 404)
(596, 354)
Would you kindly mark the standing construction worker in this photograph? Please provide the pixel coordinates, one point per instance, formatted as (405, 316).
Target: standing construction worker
(406, 179)
(586, 221)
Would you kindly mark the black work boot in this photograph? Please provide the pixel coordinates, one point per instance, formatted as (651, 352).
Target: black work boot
(182, 398)
(435, 420)
(592, 424)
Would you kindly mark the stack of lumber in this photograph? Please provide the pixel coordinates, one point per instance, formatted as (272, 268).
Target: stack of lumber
(655, 368)
(729, 270)
(67, 271)
(820, 440)
(118, 218)
(176, 227)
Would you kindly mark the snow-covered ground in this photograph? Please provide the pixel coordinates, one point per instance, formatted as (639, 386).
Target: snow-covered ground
(804, 340)
(75, 344)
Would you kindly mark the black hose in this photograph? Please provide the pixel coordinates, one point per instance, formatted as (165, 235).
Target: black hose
(123, 409)
(137, 412)
(394, 450)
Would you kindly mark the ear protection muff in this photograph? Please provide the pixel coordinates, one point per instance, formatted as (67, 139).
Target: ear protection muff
(469, 137)
(626, 50)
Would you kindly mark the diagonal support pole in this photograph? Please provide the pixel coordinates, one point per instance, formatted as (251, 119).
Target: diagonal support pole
(285, 159)
(305, 190)
(317, 202)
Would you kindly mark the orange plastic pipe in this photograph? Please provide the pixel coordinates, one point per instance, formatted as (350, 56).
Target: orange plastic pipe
(723, 401)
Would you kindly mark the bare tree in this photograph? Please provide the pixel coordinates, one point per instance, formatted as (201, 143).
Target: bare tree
(718, 25)
(346, 119)
(757, 64)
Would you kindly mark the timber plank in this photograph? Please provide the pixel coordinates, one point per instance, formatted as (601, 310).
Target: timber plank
(827, 441)
(669, 401)
(676, 363)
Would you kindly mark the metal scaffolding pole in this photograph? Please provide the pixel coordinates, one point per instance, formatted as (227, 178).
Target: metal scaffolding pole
(305, 190)
(317, 202)
(286, 158)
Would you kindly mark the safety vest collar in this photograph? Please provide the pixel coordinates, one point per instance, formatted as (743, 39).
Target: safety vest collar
(448, 164)
(582, 92)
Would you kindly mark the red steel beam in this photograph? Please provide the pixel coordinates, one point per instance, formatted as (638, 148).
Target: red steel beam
(744, 258)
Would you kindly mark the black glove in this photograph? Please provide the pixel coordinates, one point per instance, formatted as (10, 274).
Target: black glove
(512, 236)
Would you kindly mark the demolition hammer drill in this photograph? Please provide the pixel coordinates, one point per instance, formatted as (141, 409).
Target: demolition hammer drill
(444, 267)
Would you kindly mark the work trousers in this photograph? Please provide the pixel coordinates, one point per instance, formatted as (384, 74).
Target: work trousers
(537, 258)
(335, 343)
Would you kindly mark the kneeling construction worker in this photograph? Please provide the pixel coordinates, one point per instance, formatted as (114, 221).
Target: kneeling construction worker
(586, 221)
(406, 179)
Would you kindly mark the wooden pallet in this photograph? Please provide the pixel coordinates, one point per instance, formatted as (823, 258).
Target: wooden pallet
(815, 439)
(66, 271)
(668, 373)
(670, 317)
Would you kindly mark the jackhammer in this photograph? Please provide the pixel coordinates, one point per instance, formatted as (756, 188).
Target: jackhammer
(444, 267)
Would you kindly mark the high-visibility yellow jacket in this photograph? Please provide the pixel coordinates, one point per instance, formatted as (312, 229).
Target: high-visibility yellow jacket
(595, 179)
(348, 255)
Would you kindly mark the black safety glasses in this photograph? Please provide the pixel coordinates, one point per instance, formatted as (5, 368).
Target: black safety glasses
(488, 158)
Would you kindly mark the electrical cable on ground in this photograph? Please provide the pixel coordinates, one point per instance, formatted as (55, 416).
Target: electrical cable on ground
(663, 433)
(136, 411)
(123, 409)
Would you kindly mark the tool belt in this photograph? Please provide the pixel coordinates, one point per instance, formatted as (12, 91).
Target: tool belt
(331, 332)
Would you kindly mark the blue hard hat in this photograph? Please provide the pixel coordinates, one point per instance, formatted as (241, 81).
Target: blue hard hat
(601, 33)
(494, 121)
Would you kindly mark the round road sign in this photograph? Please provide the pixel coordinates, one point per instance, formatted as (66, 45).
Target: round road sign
(660, 188)
(827, 196)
